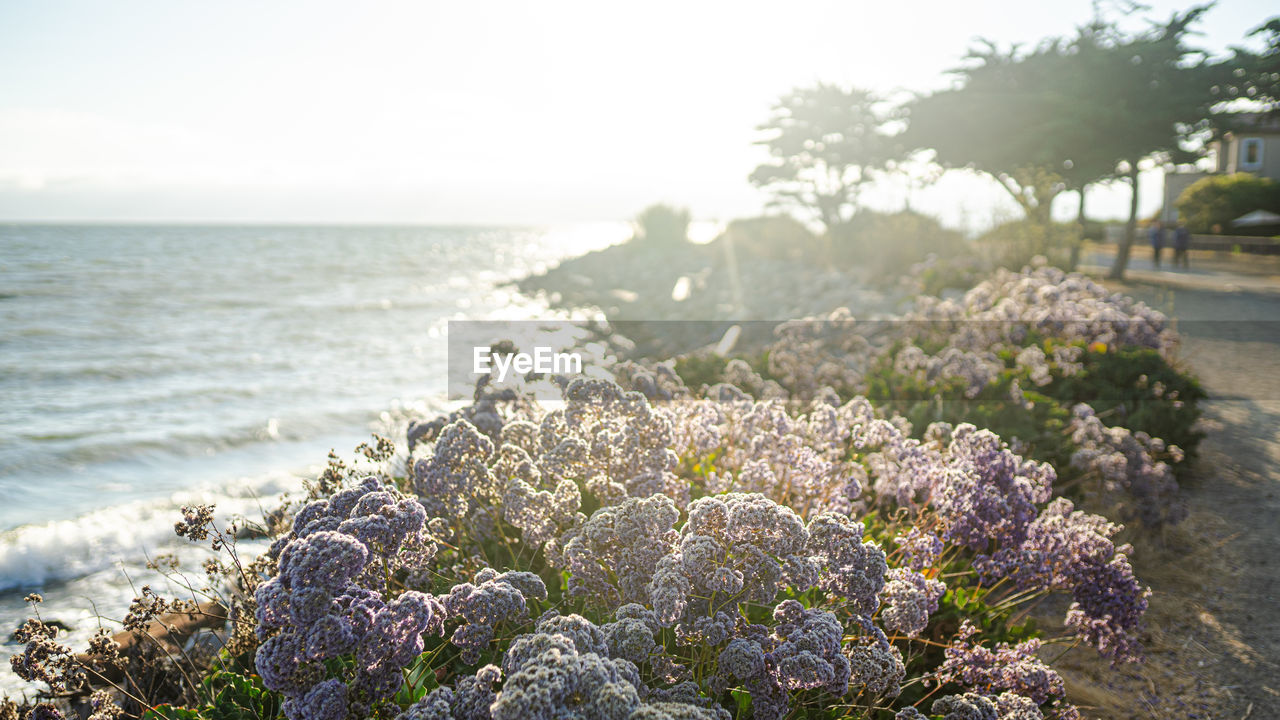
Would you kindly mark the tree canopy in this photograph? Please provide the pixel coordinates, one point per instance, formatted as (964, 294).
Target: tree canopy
(825, 142)
(1161, 94)
(1071, 111)
(1007, 117)
(1253, 75)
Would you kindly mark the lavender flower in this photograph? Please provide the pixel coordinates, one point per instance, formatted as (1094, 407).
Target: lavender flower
(969, 706)
(1127, 461)
(560, 681)
(469, 699)
(316, 607)
(613, 441)
(493, 600)
(853, 570)
(456, 478)
(919, 548)
(1013, 668)
(734, 546)
(909, 599)
(877, 668)
(807, 655)
(612, 557)
(988, 493)
(1012, 706)
(1066, 549)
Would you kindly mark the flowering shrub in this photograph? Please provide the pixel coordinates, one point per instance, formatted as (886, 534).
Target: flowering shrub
(1016, 355)
(657, 553)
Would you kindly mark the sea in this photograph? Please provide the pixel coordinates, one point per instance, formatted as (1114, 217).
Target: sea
(146, 367)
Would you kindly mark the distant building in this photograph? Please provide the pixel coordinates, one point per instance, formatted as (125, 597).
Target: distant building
(1251, 144)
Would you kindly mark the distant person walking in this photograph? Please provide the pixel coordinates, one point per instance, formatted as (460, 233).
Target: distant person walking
(1156, 236)
(1181, 243)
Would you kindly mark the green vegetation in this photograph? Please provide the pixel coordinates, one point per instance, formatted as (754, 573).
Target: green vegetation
(662, 225)
(1015, 244)
(1218, 199)
(889, 245)
(773, 236)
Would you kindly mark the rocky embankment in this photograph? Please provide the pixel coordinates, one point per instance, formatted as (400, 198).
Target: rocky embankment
(645, 288)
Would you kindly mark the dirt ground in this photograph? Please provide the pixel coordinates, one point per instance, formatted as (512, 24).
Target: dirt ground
(1214, 619)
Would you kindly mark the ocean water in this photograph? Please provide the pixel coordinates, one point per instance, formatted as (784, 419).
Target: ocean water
(142, 367)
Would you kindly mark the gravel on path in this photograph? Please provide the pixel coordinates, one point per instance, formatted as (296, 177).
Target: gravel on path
(1215, 612)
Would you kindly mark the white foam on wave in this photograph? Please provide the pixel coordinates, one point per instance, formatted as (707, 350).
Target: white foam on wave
(38, 554)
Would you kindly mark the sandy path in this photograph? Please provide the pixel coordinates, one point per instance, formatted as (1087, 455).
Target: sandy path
(1217, 581)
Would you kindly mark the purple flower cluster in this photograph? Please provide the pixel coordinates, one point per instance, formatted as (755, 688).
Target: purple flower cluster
(760, 448)
(969, 706)
(474, 484)
(806, 654)
(657, 382)
(1013, 668)
(988, 500)
(612, 556)
(492, 600)
(920, 548)
(564, 670)
(319, 605)
(456, 480)
(631, 636)
(980, 489)
(801, 652)
(877, 669)
(848, 568)
(781, 485)
(1108, 606)
(1070, 550)
(1127, 461)
(1005, 309)
(988, 494)
(909, 599)
(977, 368)
(973, 706)
(732, 547)
(814, 355)
(469, 699)
(613, 441)
(491, 411)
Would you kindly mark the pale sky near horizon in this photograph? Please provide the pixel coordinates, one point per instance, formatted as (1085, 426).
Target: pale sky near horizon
(489, 113)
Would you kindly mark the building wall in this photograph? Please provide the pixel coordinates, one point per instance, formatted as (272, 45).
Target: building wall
(1271, 157)
(1234, 155)
(1174, 184)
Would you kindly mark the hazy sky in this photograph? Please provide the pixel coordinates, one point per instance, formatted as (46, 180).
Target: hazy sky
(476, 112)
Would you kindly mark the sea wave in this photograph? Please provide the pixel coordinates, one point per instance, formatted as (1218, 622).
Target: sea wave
(37, 555)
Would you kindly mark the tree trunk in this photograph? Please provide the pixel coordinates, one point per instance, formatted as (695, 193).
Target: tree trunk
(830, 223)
(1074, 261)
(1130, 228)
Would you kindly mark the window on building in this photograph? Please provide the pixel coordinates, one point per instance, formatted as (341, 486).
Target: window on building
(1251, 154)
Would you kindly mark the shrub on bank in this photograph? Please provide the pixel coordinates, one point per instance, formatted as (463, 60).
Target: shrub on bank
(890, 244)
(780, 237)
(1211, 203)
(1016, 354)
(696, 558)
(1018, 243)
(662, 225)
